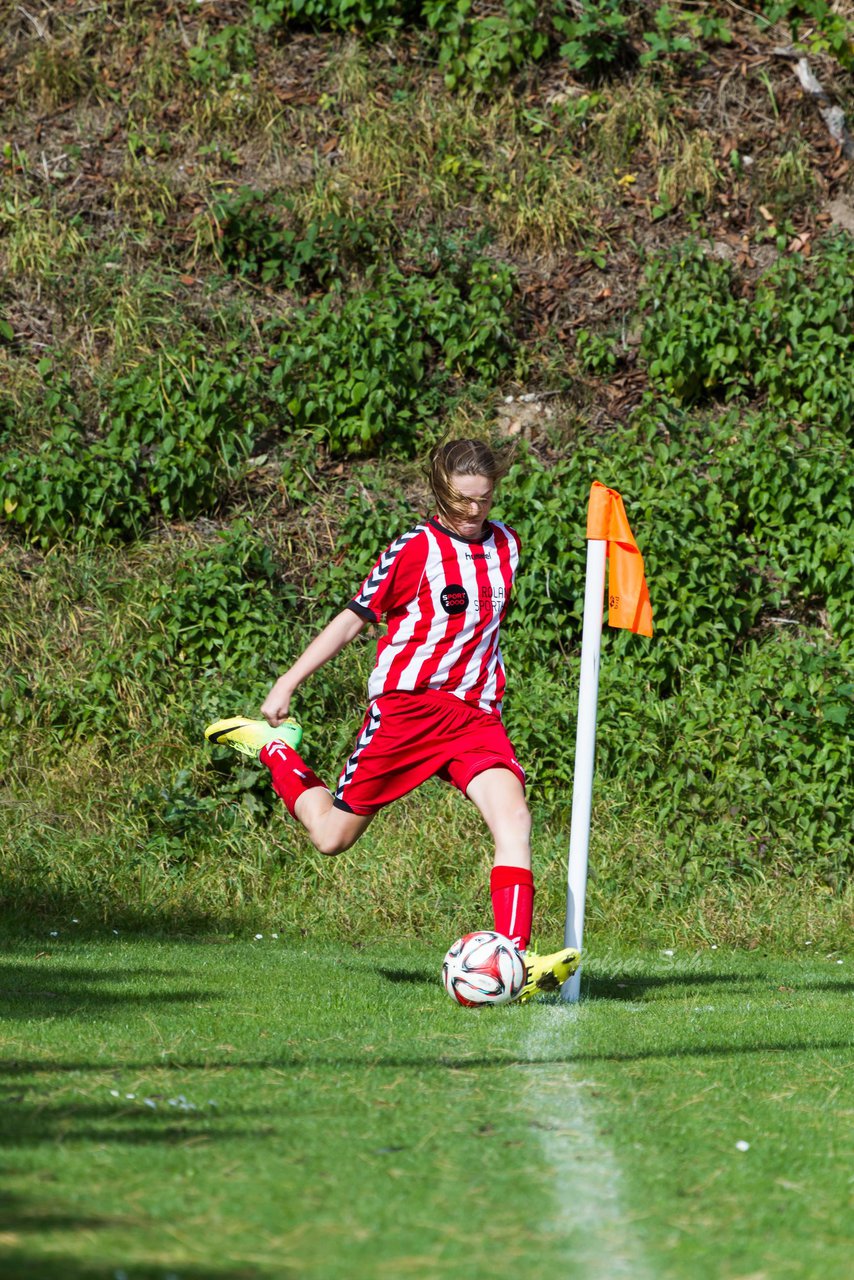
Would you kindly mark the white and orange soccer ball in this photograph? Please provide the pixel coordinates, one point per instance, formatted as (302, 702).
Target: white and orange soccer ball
(483, 968)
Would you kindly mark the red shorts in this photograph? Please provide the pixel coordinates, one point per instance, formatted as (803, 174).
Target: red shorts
(409, 737)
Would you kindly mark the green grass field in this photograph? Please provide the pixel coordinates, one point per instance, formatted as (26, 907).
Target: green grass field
(232, 1108)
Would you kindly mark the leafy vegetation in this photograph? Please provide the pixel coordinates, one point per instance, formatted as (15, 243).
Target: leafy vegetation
(477, 46)
(252, 240)
(374, 17)
(476, 50)
(825, 27)
(172, 436)
(790, 342)
(596, 35)
(369, 372)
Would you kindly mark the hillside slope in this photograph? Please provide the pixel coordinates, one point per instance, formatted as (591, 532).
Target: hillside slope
(258, 256)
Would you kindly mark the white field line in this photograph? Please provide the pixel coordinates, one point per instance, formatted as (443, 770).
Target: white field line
(586, 1206)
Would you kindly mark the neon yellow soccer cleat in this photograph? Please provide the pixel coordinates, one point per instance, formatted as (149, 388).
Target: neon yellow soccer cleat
(547, 973)
(249, 736)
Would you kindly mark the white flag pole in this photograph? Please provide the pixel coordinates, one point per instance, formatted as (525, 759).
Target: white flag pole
(585, 748)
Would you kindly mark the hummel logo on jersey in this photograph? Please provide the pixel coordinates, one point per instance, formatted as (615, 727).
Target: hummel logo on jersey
(478, 555)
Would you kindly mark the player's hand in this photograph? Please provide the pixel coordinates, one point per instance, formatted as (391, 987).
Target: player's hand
(277, 703)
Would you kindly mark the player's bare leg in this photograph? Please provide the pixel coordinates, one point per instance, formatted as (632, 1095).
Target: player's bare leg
(500, 797)
(330, 830)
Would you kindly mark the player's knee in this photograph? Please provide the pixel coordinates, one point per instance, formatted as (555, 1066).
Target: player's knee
(329, 844)
(330, 840)
(521, 819)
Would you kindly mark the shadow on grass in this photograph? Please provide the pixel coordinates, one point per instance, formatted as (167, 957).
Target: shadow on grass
(18, 1214)
(31, 1118)
(35, 1126)
(67, 991)
(21, 1217)
(18, 1265)
(660, 986)
(32, 914)
(21, 1069)
(418, 977)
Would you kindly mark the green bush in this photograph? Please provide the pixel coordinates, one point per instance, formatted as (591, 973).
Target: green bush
(374, 17)
(220, 55)
(169, 637)
(803, 324)
(705, 337)
(679, 31)
(688, 530)
(476, 50)
(743, 766)
(218, 598)
(366, 371)
(68, 484)
(826, 28)
(190, 807)
(596, 353)
(697, 336)
(794, 492)
(595, 34)
(259, 237)
(172, 436)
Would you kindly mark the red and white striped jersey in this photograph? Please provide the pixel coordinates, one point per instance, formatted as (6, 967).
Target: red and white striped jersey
(443, 598)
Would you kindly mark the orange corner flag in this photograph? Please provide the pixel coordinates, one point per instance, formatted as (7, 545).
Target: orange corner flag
(628, 597)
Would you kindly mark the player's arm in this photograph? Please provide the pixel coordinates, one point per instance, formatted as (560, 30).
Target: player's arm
(332, 639)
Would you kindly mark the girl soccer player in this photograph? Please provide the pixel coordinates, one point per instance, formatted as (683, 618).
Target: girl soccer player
(435, 693)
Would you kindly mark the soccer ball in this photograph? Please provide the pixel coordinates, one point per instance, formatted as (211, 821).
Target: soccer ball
(483, 968)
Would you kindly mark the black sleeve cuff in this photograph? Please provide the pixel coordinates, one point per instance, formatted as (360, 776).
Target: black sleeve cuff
(367, 615)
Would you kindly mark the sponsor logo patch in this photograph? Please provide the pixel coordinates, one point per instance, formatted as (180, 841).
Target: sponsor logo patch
(454, 598)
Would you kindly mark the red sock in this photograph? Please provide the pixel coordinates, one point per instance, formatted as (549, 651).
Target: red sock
(290, 773)
(512, 890)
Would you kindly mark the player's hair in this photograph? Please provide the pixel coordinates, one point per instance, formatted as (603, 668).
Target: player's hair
(464, 458)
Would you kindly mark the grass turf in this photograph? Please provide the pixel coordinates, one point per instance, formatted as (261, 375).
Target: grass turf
(230, 1109)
